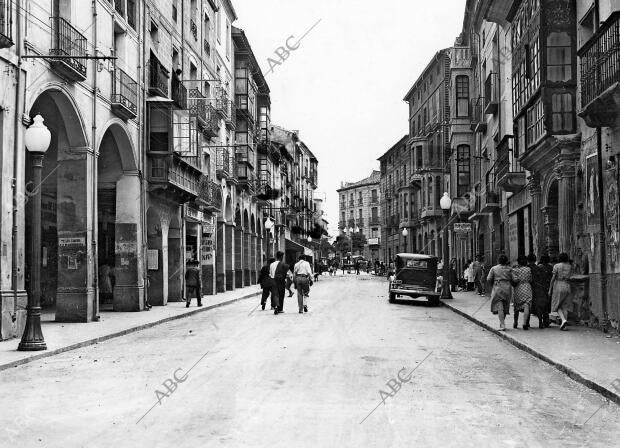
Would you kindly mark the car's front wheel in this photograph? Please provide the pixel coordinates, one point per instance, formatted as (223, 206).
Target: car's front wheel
(434, 300)
(392, 297)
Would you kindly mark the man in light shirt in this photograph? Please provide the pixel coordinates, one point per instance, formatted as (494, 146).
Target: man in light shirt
(278, 272)
(303, 275)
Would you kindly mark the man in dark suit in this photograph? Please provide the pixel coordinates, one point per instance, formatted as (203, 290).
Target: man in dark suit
(278, 271)
(266, 283)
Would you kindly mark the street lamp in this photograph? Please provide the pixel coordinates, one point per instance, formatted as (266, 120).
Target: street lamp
(37, 139)
(269, 228)
(405, 233)
(446, 204)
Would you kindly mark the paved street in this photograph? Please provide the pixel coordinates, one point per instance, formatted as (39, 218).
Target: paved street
(312, 380)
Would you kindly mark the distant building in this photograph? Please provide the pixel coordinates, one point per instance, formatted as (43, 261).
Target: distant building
(360, 209)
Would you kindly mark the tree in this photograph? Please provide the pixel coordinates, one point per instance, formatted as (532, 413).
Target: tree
(343, 244)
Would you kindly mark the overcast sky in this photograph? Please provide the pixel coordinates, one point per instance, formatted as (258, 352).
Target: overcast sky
(343, 87)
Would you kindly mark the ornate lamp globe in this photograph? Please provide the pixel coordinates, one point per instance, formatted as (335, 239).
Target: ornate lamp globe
(268, 224)
(445, 202)
(37, 137)
(405, 232)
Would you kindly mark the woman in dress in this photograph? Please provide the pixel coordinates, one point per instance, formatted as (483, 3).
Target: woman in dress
(522, 281)
(541, 277)
(560, 288)
(500, 276)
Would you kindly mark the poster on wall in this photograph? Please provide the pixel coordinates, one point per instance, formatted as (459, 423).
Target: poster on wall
(207, 242)
(592, 193)
(610, 182)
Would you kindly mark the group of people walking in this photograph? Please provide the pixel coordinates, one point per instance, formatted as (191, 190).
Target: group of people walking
(276, 277)
(534, 288)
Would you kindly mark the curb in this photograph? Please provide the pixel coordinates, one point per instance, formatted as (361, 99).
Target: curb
(106, 337)
(564, 368)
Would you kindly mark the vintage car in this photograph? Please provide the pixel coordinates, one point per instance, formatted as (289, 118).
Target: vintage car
(415, 276)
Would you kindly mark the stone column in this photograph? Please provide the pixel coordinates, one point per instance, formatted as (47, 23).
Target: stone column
(538, 224)
(129, 262)
(255, 259)
(76, 300)
(566, 206)
(238, 232)
(246, 257)
(230, 256)
(220, 257)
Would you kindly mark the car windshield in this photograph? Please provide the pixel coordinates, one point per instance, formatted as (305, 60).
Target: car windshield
(419, 264)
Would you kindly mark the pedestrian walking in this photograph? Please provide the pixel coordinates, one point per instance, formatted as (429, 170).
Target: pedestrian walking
(478, 270)
(106, 282)
(266, 284)
(193, 283)
(522, 295)
(303, 277)
(541, 279)
(560, 288)
(357, 267)
(469, 276)
(278, 272)
(289, 283)
(500, 276)
(453, 276)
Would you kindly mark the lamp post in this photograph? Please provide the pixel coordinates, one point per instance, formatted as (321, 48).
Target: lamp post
(446, 204)
(37, 139)
(351, 239)
(269, 227)
(405, 234)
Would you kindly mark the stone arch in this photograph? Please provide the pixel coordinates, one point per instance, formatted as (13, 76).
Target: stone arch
(67, 201)
(117, 130)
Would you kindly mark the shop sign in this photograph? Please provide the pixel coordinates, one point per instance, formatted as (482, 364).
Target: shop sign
(373, 241)
(519, 200)
(513, 234)
(462, 229)
(152, 259)
(193, 213)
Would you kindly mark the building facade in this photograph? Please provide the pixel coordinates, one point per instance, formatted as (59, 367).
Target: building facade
(428, 150)
(160, 154)
(360, 210)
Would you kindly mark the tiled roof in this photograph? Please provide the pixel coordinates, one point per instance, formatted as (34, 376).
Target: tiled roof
(374, 178)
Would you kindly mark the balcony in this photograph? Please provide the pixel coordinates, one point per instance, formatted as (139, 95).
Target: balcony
(124, 95)
(210, 194)
(491, 103)
(374, 221)
(222, 163)
(479, 121)
(221, 103)
(175, 176)
(178, 93)
(600, 75)
(246, 178)
(508, 172)
(230, 118)
(70, 46)
(431, 212)
(205, 114)
(6, 24)
(158, 78)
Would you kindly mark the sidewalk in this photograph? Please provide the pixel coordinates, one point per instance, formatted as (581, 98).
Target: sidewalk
(584, 354)
(61, 337)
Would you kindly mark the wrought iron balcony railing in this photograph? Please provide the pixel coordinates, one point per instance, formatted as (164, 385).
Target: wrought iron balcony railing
(210, 194)
(124, 95)
(158, 77)
(6, 24)
(479, 121)
(178, 92)
(600, 60)
(70, 45)
(222, 163)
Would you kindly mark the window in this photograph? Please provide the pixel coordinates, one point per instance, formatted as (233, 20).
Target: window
(218, 24)
(520, 146)
(405, 206)
(535, 124)
(562, 112)
(419, 157)
(373, 194)
(462, 96)
(463, 169)
(559, 52)
(174, 10)
(227, 39)
(360, 198)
